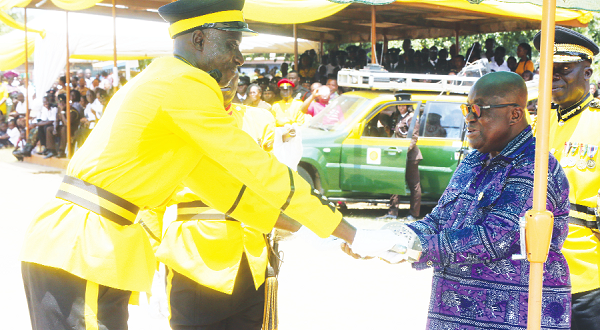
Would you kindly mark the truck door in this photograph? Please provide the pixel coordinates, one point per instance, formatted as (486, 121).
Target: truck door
(375, 162)
(441, 131)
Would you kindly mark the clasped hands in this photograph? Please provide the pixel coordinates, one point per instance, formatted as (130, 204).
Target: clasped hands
(385, 244)
(290, 132)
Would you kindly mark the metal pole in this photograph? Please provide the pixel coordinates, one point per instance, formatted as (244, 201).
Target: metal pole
(321, 37)
(539, 221)
(68, 88)
(115, 67)
(295, 47)
(26, 78)
(373, 36)
(456, 39)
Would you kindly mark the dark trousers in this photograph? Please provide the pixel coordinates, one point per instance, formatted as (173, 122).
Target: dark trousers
(196, 307)
(585, 310)
(61, 132)
(57, 301)
(41, 133)
(413, 180)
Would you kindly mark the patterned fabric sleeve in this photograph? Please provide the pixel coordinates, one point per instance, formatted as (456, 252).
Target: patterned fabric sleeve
(490, 238)
(497, 235)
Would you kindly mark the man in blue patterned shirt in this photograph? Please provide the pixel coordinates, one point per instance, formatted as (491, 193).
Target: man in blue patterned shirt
(471, 234)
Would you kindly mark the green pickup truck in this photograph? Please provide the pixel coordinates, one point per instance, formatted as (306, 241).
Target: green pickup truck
(348, 157)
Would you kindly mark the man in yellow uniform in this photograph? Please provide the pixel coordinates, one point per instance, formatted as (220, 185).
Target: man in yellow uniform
(288, 110)
(86, 250)
(213, 256)
(3, 98)
(574, 141)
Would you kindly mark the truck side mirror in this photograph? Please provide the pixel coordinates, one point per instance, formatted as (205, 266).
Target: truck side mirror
(356, 130)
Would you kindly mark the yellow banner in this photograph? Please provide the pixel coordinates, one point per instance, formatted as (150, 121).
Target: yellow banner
(289, 11)
(8, 20)
(13, 49)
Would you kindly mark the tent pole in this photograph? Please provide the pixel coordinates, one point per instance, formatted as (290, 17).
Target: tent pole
(68, 88)
(539, 221)
(295, 47)
(115, 67)
(373, 36)
(456, 39)
(26, 78)
(321, 46)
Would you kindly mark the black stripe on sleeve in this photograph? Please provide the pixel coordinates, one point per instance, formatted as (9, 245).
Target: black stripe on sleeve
(237, 200)
(292, 190)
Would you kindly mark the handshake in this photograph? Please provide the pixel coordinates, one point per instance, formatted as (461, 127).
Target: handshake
(394, 243)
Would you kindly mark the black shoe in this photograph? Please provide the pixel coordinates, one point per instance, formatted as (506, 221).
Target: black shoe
(50, 154)
(18, 155)
(45, 152)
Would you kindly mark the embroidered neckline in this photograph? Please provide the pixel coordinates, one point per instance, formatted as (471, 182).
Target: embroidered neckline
(572, 111)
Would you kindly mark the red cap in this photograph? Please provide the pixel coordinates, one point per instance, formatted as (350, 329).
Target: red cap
(285, 81)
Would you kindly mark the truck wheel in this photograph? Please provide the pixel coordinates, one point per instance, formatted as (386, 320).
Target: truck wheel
(306, 176)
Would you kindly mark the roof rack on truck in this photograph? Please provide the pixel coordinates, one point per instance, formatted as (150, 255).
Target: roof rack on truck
(375, 77)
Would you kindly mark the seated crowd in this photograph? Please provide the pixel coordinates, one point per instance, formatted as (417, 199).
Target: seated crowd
(262, 90)
(48, 124)
(288, 93)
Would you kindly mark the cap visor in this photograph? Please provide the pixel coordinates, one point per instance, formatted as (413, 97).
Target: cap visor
(246, 32)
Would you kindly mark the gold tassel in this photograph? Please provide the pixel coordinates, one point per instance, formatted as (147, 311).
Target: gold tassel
(270, 318)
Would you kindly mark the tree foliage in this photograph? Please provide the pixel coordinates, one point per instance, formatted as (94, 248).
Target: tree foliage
(17, 15)
(509, 40)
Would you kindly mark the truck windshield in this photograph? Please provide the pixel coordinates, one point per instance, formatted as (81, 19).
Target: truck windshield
(337, 112)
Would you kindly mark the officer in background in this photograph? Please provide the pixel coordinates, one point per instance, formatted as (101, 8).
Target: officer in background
(288, 110)
(214, 256)
(393, 61)
(87, 252)
(574, 141)
(405, 114)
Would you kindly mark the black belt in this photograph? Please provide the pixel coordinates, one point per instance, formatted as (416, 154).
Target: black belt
(197, 210)
(98, 200)
(579, 211)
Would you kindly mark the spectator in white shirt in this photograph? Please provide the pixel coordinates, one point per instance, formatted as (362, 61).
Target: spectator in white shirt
(13, 132)
(498, 63)
(19, 107)
(45, 121)
(88, 78)
(94, 104)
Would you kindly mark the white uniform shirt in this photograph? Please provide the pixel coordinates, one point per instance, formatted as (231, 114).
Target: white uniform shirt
(13, 135)
(497, 68)
(90, 115)
(48, 115)
(20, 108)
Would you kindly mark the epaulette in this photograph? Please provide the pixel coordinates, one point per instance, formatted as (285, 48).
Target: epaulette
(534, 125)
(595, 103)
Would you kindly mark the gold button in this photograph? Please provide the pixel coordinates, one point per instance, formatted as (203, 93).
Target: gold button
(480, 196)
(429, 263)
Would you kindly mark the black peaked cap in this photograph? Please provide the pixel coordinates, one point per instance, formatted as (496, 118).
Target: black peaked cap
(567, 36)
(184, 9)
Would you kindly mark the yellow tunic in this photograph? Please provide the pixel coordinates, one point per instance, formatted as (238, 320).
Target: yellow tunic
(581, 248)
(3, 96)
(210, 251)
(257, 122)
(165, 129)
(288, 112)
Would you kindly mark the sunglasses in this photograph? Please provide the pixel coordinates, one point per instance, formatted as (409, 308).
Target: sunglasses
(476, 108)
